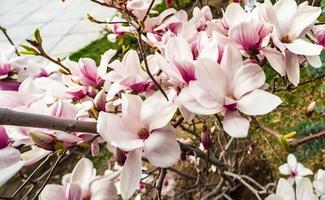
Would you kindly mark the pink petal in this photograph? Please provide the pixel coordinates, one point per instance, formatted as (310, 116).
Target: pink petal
(88, 68)
(156, 111)
(210, 51)
(10, 163)
(4, 139)
(231, 60)
(109, 126)
(34, 155)
(73, 191)
(103, 188)
(292, 67)
(131, 112)
(105, 59)
(235, 125)
(128, 145)
(284, 17)
(52, 192)
(131, 174)
(304, 17)
(234, 14)
(292, 161)
(10, 99)
(258, 102)
(167, 68)
(302, 47)
(247, 78)
(82, 173)
(190, 103)
(162, 149)
(245, 34)
(207, 73)
(178, 48)
(131, 62)
(275, 58)
(305, 190)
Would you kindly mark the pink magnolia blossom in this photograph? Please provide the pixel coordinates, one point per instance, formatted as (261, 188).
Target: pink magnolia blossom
(81, 184)
(295, 170)
(128, 75)
(4, 139)
(289, 35)
(201, 17)
(11, 161)
(141, 130)
(229, 87)
(285, 191)
(319, 183)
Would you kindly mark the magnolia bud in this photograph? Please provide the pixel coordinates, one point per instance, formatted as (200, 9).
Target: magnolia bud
(120, 156)
(43, 140)
(183, 156)
(4, 139)
(310, 109)
(205, 139)
(169, 2)
(100, 100)
(95, 149)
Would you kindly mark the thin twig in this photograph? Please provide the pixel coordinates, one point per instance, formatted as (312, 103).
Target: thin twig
(48, 177)
(4, 31)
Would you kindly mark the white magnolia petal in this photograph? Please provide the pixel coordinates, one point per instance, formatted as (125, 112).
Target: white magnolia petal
(162, 149)
(131, 174)
(235, 125)
(258, 102)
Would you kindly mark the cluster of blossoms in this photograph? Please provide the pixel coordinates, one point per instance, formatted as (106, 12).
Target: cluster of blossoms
(305, 189)
(204, 66)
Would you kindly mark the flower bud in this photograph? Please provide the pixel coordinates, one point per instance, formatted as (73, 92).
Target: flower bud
(43, 140)
(183, 156)
(310, 109)
(94, 149)
(4, 139)
(100, 100)
(120, 156)
(205, 139)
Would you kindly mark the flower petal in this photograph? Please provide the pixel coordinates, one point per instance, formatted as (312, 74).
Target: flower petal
(275, 58)
(128, 145)
(247, 78)
(285, 190)
(292, 161)
(110, 128)
(131, 112)
(302, 47)
(162, 149)
(258, 102)
(235, 125)
(314, 61)
(292, 67)
(52, 192)
(131, 174)
(82, 173)
(157, 111)
(231, 61)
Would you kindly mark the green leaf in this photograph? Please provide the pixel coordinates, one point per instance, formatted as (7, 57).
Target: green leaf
(28, 50)
(37, 36)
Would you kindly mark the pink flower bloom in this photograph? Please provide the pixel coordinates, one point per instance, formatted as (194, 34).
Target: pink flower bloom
(179, 63)
(141, 129)
(128, 75)
(82, 183)
(285, 191)
(229, 87)
(295, 170)
(289, 33)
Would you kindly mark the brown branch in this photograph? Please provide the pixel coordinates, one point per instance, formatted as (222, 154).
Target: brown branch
(15, 118)
(308, 138)
(163, 173)
(276, 134)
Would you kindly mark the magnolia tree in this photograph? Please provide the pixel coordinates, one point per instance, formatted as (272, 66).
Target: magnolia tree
(179, 100)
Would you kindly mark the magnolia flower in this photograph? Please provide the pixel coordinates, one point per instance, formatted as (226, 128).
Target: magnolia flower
(285, 191)
(229, 87)
(141, 129)
(9, 60)
(128, 75)
(85, 71)
(81, 184)
(179, 63)
(11, 161)
(201, 17)
(296, 171)
(289, 34)
(319, 183)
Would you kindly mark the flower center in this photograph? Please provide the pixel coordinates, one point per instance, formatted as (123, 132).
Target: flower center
(293, 173)
(285, 39)
(143, 133)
